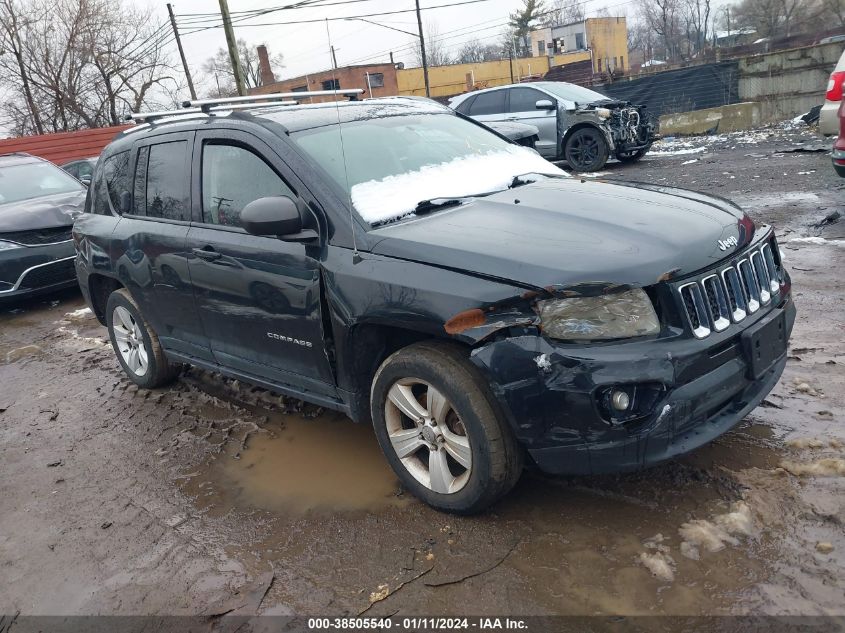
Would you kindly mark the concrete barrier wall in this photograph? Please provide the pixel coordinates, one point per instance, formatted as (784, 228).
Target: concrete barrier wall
(729, 118)
(788, 83)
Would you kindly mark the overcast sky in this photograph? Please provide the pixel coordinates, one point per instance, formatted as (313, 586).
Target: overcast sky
(305, 46)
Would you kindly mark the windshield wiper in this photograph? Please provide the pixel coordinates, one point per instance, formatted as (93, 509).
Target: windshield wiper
(433, 204)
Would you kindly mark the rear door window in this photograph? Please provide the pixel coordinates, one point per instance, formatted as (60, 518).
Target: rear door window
(525, 99)
(162, 181)
(488, 103)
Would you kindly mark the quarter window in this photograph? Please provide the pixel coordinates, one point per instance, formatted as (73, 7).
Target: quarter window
(232, 177)
(488, 103)
(162, 182)
(113, 181)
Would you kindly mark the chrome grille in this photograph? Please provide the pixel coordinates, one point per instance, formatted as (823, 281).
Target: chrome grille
(731, 293)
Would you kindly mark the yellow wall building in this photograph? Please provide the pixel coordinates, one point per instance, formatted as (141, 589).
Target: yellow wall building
(605, 38)
(455, 79)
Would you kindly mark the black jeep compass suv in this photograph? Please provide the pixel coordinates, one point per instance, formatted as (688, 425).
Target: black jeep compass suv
(400, 263)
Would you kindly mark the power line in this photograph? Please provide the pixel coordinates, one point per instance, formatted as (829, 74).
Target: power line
(363, 15)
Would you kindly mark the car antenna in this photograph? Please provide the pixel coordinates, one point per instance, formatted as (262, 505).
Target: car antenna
(356, 257)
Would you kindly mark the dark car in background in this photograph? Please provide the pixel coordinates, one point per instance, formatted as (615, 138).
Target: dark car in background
(577, 124)
(38, 204)
(418, 272)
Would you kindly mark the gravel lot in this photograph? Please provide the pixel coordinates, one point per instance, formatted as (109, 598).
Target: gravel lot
(212, 496)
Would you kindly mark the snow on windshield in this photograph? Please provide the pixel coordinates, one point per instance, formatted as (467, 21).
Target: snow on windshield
(396, 196)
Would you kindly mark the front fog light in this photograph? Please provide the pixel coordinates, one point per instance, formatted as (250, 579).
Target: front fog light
(611, 316)
(620, 400)
(621, 404)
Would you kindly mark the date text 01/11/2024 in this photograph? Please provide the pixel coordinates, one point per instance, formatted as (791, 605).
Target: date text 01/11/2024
(417, 624)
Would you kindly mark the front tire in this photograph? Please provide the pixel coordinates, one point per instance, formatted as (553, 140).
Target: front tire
(586, 150)
(441, 430)
(135, 343)
(628, 158)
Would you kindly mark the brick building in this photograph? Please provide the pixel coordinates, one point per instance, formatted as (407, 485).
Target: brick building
(376, 80)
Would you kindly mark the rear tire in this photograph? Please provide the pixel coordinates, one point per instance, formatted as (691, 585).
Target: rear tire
(459, 455)
(586, 150)
(135, 343)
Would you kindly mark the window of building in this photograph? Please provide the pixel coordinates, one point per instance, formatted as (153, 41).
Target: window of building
(614, 63)
(112, 182)
(541, 47)
(232, 177)
(492, 102)
(621, 62)
(579, 41)
(161, 182)
(299, 89)
(376, 80)
(331, 84)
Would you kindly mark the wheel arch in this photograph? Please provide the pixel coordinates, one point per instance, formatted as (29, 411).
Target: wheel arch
(366, 347)
(100, 287)
(580, 126)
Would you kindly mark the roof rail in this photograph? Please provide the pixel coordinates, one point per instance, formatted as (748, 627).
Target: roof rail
(148, 117)
(207, 104)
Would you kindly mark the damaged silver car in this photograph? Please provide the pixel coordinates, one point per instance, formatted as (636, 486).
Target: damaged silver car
(575, 123)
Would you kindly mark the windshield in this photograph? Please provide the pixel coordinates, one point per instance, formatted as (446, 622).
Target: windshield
(393, 163)
(34, 180)
(571, 92)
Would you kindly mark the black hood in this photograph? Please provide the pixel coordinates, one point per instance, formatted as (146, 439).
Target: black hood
(565, 231)
(41, 213)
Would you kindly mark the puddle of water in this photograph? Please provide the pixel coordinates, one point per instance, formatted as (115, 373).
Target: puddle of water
(325, 464)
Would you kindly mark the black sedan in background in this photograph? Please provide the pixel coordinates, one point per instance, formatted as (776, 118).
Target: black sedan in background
(38, 204)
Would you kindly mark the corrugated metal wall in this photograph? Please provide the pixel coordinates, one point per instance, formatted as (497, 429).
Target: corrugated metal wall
(63, 147)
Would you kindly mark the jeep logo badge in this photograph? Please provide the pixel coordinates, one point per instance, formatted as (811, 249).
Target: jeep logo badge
(727, 243)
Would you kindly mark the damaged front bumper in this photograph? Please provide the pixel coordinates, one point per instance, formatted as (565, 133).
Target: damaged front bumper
(692, 391)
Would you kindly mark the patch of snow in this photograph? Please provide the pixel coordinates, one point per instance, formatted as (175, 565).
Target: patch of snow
(593, 174)
(396, 196)
(79, 314)
(679, 152)
(543, 362)
(660, 564)
(690, 162)
(816, 240)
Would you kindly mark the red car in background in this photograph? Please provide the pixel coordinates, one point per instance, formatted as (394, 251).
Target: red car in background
(839, 145)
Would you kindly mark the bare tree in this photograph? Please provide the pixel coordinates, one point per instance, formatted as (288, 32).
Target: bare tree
(697, 20)
(564, 12)
(834, 12)
(663, 17)
(474, 51)
(218, 69)
(436, 52)
(84, 63)
(773, 18)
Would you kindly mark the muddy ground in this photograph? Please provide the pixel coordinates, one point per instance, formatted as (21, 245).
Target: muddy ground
(211, 496)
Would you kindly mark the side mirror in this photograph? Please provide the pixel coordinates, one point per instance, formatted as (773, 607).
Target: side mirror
(85, 180)
(276, 216)
(544, 104)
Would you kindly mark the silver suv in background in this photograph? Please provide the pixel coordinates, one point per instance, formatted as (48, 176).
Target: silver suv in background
(575, 123)
(829, 117)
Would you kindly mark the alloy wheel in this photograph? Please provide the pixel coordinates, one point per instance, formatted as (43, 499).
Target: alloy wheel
(585, 150)
(130, 341)
(428, 436)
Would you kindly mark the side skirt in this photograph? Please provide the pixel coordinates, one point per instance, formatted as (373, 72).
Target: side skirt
(287, 390)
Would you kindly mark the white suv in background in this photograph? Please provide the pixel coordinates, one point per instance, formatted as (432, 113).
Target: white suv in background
(828, 117)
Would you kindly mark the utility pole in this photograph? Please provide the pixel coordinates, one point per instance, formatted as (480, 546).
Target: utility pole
(422, 51)
(233, 47)
(510, 59)
(334, 59)
(181, 52)
(391, 58)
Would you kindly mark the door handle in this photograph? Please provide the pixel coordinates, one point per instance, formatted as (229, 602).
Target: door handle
(207, 253)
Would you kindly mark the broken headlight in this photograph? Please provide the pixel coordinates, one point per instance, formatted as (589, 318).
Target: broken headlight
(603, 113)
(620, 315)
